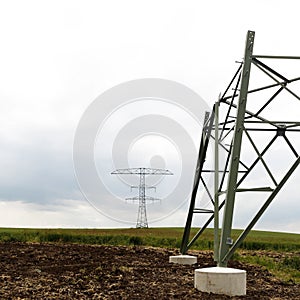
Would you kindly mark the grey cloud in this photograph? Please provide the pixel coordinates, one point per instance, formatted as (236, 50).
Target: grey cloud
(38, 170)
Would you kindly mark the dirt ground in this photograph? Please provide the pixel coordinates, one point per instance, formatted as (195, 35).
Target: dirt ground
(69, 271)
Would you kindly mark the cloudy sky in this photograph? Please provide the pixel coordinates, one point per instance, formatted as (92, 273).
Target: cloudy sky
(57, 57)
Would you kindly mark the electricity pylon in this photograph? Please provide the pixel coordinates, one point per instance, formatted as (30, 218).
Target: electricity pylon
(233, 127)
(142, 198)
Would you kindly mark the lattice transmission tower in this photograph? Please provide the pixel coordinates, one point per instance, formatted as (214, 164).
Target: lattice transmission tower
(142, 198)
(244, 126)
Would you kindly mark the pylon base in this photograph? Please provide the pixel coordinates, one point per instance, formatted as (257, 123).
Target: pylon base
(183, 259)
(218, 280)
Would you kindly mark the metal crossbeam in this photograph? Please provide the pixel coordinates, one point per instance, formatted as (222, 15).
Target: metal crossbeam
(146, 171)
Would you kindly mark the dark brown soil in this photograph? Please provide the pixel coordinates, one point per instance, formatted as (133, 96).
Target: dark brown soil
(69, 271)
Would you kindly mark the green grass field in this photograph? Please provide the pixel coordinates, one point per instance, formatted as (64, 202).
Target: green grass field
(157, 237)
(260, 247)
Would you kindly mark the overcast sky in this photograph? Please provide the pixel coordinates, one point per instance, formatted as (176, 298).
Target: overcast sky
(57, 57)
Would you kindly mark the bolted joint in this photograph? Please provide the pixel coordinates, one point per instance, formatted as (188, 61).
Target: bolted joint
(281, 130)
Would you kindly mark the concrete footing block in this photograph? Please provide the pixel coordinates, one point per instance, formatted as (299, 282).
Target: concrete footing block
(217, 280)
(183, 259)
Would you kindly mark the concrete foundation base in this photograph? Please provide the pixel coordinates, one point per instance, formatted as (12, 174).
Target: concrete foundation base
(226, 281)
(183, 259)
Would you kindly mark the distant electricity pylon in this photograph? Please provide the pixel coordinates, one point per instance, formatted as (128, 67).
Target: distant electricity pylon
(142, 198)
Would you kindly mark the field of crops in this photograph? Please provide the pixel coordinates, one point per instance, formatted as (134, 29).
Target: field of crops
(156, 237)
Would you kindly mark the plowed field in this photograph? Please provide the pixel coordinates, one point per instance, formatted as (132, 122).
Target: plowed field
(71, 271)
